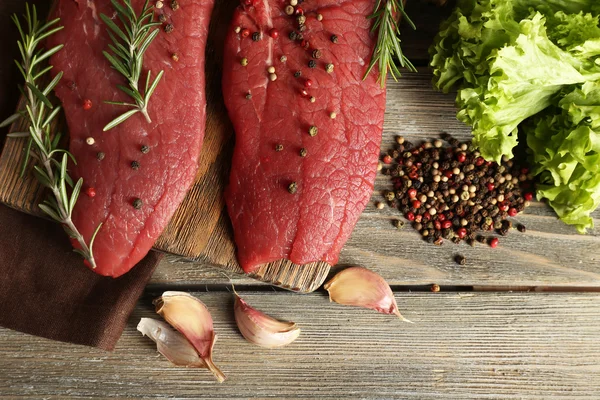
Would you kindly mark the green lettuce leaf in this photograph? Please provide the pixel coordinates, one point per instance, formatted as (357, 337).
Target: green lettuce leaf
(565, 146)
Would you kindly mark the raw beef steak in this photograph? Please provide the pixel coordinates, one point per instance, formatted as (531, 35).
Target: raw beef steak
(308, 128)
(140, 171)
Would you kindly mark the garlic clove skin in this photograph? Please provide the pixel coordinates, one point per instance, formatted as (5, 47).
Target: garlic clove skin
(358, 286)
(261, 329)
(190, 316)
(170, 343)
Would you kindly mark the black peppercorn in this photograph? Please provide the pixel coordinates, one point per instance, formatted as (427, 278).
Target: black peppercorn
(312, 64)
(256, 36)
(137, 204)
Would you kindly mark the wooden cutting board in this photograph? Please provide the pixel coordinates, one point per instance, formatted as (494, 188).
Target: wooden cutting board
(200, 229)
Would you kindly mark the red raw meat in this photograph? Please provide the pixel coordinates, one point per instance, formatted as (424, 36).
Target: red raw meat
(173, 139)
(334, 180)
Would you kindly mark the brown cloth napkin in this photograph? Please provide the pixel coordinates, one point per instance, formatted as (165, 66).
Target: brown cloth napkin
(45, 289)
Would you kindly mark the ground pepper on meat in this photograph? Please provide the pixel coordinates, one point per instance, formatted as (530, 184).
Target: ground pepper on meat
(452, 192)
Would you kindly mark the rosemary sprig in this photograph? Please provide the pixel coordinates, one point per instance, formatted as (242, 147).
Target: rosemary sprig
(128, 48)
(387, 14)
(50, 160)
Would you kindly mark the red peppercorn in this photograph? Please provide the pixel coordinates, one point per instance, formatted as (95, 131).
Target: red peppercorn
(387, 159)
(418, 218)
(479, 161)
(308, 83)
(413, 175)
(441, 217)
(437, 225)
(448, 174)
(412, 193)
(447, 224)
(245, 33)
(87, 104)
(490, 186)
(461, 157)
(416, 204)
(502, 206)
(304, 93)
(247, 2)
(494, 243)
(91, 192)
(410, 216)
(528, 196)
(274, 33)
(304, 43)
(524, 171)
(512, 212)
(299, 11)
(461, 232)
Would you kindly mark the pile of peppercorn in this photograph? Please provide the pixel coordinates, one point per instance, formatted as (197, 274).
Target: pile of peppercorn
(453, 193)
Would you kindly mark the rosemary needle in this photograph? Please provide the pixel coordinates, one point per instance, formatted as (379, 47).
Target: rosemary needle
(388, 49)
(128, 47)
(43, 147)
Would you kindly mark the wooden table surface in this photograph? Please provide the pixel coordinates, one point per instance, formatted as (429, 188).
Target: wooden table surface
(520, 321)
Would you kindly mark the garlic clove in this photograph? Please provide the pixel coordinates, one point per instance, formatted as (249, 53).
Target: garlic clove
(358, 286)
(190, 316)
(261, 329)
(170, 343)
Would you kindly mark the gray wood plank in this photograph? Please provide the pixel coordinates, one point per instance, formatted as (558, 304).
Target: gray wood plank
(462, 346)
(549, 254)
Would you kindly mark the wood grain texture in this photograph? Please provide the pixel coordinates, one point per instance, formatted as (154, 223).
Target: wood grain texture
(461, 346)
